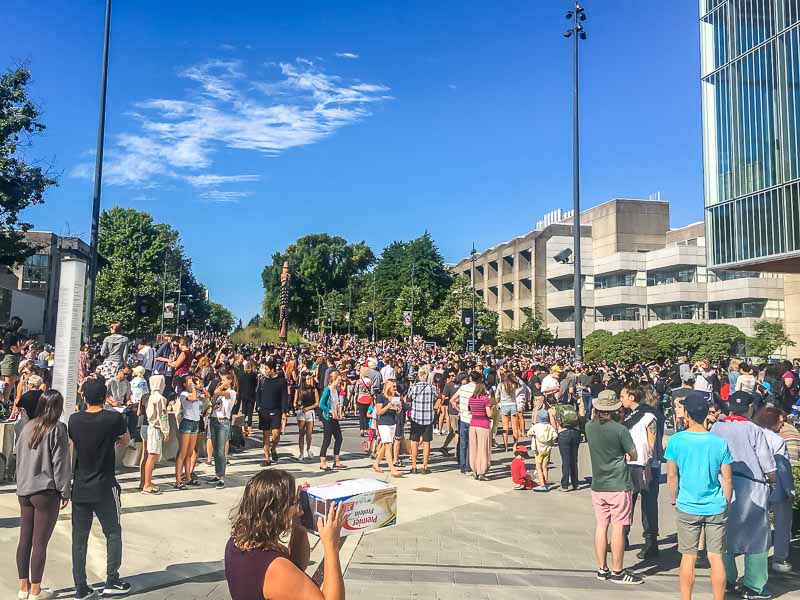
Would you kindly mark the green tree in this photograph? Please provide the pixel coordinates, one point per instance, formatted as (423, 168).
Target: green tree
(319, 263)
(595, 344)
(221, 318)
(697, 340)
(533, 332)
(393, 274)
(769, 337)
(134, 247)
(444, 323)
(255, 321)
(21, 184)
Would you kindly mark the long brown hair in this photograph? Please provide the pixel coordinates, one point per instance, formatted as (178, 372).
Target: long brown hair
(510, 384)
(264, 514)
(48, 412)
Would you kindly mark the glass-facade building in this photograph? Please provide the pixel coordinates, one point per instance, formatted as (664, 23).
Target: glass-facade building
(750, 69)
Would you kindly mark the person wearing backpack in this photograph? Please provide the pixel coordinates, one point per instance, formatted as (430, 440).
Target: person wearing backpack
(567, 424)
(543, 438)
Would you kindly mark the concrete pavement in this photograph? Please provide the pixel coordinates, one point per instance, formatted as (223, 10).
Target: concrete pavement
(455, 538)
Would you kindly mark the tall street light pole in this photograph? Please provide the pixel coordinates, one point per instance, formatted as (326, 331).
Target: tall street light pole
(413, 266)
(374, 316)
(577, 33)
(472, 277)
(98, 181)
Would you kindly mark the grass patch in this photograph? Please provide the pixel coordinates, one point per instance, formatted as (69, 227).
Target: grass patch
(264, 335)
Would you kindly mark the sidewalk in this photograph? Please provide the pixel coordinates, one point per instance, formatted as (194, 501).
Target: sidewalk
(456, 538)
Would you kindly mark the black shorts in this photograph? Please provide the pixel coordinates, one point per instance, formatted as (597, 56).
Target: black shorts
(400, 427)
(421, 431)
(268, 420)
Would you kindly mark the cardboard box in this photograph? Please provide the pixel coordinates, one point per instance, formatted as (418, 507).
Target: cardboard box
(368, 503)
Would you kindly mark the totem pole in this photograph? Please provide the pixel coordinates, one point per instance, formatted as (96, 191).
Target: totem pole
(283, 319)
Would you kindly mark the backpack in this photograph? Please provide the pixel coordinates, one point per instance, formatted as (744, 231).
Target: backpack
(567, 415)
(546, 436)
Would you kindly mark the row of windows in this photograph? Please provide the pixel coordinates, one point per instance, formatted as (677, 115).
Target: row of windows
(731, 28)
(673, 312)
(758, 226)
(751, 110)
(35, 272)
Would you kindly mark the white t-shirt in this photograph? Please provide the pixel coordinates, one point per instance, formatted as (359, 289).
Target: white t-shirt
(225, 408)
(191, 410)
(464, 394)
(639, 435)
(387, 373)
(550, 382)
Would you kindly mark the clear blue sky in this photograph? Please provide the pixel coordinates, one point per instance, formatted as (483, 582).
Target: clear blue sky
(246, 124)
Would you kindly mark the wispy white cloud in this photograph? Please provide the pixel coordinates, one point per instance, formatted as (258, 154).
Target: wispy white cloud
(224, 196)
(350, 55)
(452, 86)
(225, 108)
(209, 180)
(228, 47)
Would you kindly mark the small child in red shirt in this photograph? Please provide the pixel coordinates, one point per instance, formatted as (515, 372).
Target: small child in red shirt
(519, 473)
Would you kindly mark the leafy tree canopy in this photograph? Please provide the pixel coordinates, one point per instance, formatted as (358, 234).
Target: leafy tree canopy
(769, 337)
(21, 184)
(532, 333)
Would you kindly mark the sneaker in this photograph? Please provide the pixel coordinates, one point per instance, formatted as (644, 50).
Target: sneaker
(436, 430)
(213, 481)
(781, 566)
(84, 592)
(625, 577)
(748, 594)
(603, 574)
(45, 594)
(274, 456)
(116, 588)
(309, 453)
(220, 484)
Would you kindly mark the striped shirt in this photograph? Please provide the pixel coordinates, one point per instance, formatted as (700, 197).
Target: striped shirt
(792, 437)
(422, 396)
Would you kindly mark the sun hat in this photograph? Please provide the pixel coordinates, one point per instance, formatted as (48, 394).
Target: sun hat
(607, 401)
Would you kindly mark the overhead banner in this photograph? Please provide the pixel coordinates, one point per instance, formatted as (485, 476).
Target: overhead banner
(169, 310)
(69, 322)
(407, 318)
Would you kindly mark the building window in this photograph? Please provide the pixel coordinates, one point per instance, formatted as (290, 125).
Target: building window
(731, 275)
(566, 283)
(736, 310)
(673, 276)
(677, 312)
(616, 280)
(619, 313)
(36, 272)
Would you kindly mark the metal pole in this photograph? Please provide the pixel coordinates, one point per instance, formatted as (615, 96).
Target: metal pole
(164, 293)
(576, 196)
(98, 182)
(137, 320)
(413, 266)
(472, 276)
(178, 316)
(374, 316)
(349, 307)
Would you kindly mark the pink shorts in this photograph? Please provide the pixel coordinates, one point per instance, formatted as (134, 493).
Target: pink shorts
(616, 507)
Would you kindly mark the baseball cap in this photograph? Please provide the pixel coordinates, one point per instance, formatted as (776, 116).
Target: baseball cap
(607, 401)
(521, 450)
(696, 406)
(739, 402)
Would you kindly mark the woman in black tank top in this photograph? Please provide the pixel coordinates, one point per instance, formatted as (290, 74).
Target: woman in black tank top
(258, 566)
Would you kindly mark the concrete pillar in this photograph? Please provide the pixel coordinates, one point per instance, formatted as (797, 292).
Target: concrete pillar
(791, 311)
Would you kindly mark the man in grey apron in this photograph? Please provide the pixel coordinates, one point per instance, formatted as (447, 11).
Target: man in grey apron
(748, 518)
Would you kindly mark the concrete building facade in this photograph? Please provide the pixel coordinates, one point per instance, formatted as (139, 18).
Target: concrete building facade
(636, 272)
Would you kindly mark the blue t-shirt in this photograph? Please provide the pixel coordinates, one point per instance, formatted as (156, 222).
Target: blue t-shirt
(699, 457)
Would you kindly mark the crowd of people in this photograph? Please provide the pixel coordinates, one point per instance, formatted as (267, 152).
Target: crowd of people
(725, 432)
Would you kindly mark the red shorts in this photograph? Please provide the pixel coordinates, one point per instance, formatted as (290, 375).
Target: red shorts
(614, 507)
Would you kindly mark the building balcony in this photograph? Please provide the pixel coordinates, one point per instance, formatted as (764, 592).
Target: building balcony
(675, 256)
(566, 298)
(677, 293)
(619, 262)
(749, 288)
(622, 295)
(555, 270)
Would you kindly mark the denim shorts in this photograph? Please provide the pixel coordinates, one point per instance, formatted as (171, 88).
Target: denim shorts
(189, 426)
(508, 410)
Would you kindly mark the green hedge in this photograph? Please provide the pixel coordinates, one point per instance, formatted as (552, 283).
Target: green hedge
(696, 340)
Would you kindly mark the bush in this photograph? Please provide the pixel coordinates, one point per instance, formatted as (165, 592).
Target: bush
(696, 340)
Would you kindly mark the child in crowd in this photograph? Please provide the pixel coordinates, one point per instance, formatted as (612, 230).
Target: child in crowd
(519, 473)
(543, 438)
(373, 431)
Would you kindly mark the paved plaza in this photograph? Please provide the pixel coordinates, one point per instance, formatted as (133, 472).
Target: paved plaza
(456, 538)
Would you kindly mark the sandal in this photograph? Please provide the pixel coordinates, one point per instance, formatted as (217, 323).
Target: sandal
(194, 481)
(339, 466)
(179, 486)
(377, 469)
(326, 468)
(153, 492)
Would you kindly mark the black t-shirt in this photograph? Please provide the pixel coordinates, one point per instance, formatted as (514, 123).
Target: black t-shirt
(390, 416)
(94, 435)
(272, 394)
(10, 339)
(449, 390)
(29, 401)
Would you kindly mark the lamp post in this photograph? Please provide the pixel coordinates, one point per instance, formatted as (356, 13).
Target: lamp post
(413, 267)
(98, 181)
(472, 277)
(374, 316)
(577, 33)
